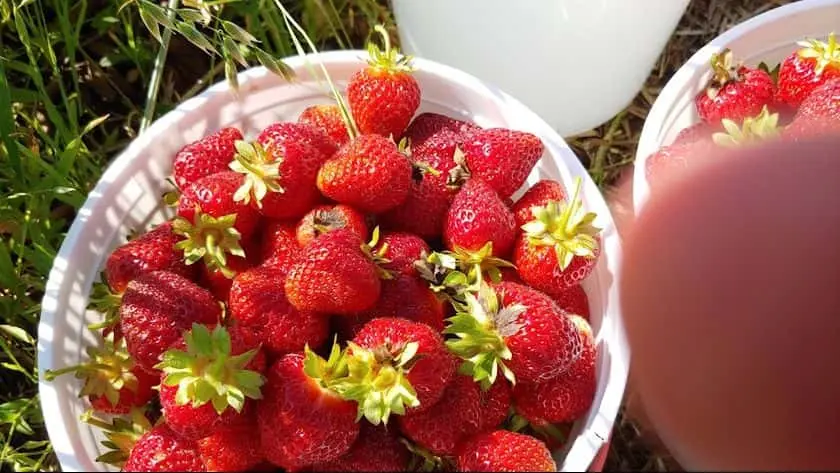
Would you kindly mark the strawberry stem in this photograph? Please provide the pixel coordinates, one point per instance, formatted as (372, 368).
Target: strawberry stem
(106, 302)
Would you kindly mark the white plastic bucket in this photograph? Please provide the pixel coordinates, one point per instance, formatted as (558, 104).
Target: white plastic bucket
(769, 37)
(128, 197)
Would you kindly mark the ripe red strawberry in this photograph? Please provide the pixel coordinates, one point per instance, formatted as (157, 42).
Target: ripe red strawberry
(217, 282)
(279, 173)
(113, 383)
(429, 131)
(538, 195)
(232, 448)
(502, 158)
(815, 63)
(383, 96)
(326, 218)
(204, 157)
(697, 132)
(735, 91)
(369, 173)
(513, 329)
(299, 132)
(151, 251)
(573, 300)
(208, 379)
(376, 450)
(566, 397)
(478, 216)
(301, 421)
(334, 275)
(502, 450)
(819, 114)
(161, 449)
(156, 308)
(495, 404)
(328, 119)
(258, 301)
(280, 247)
(402, 250)
(670, 160)
(406, 296)
(405, 364)
(559, 247)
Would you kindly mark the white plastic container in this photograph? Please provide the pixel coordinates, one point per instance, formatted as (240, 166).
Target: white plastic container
(128, 197)
(576, 63)
(769, 37)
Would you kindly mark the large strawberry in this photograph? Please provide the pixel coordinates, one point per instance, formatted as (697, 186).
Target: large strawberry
(376, 450)
(735, 91)
(396, 366)
(401, 250)
(258, 301)
(302, 422)
(818, 115)
(566, 397)
(384, 96)
(515, 330)
(429, 132)
(369, 173)
(815, 63)
(478, 216)
(113, 383)
(232, 448)
(334, 275)
(161, 449)
(156, 308)
(204, 157)
(538, 195)
(502, 450)
(326, 218)
(501, 157)
(328, 119)
(208, 379)
(559, 247)
(279, 244)
(304, 133)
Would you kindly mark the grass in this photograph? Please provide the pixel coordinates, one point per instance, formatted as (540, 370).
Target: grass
(75, 75)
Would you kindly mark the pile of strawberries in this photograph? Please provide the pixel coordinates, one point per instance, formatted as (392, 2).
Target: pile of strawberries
(354, 291)
(741, 105)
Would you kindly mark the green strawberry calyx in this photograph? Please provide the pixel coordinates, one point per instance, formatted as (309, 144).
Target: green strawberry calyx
(448, 279)
(106, 302)
(207, 372)
(565, 227)
(824, 53)
(325, 372)
(377, 380)
(724, 71)
(480, 332)
(209, 239)
(377, 255)
(261, 170)
(763, 126)
(120, 434)
(388, 59)
(107, 372)
(483, 259)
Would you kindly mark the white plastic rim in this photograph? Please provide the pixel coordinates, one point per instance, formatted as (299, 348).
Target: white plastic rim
(128, 196)
(769, 37)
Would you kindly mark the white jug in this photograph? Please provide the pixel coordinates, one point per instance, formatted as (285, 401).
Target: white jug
(574, 62)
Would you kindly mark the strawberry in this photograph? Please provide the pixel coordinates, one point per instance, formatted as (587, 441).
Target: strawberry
(697, 132)
(280, 247)
(735, 91)
(303, 133)
(495, 405)
(502, 450)
(257, 301)
(217, 282)
(402, 250)
(326, 218)
(815, 63)
(513, 329)
(328, 119)
(396, 366)
(819, 114)
(279, 173)
(538, 195)
(369, 173)
(406, 296)
(500, 157)
(156, 308)
(207, 380)
(302, 422)
(566, 397)
(334, 275)
(478, 216)
(212, 222)
(675, 158)
(573, 300)
(510, 274)
(384, 95)
(431, 130)
(559, 247)
(376, 450)
(113, 383)
(204, 157)
(161, 449)
(231, 448)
